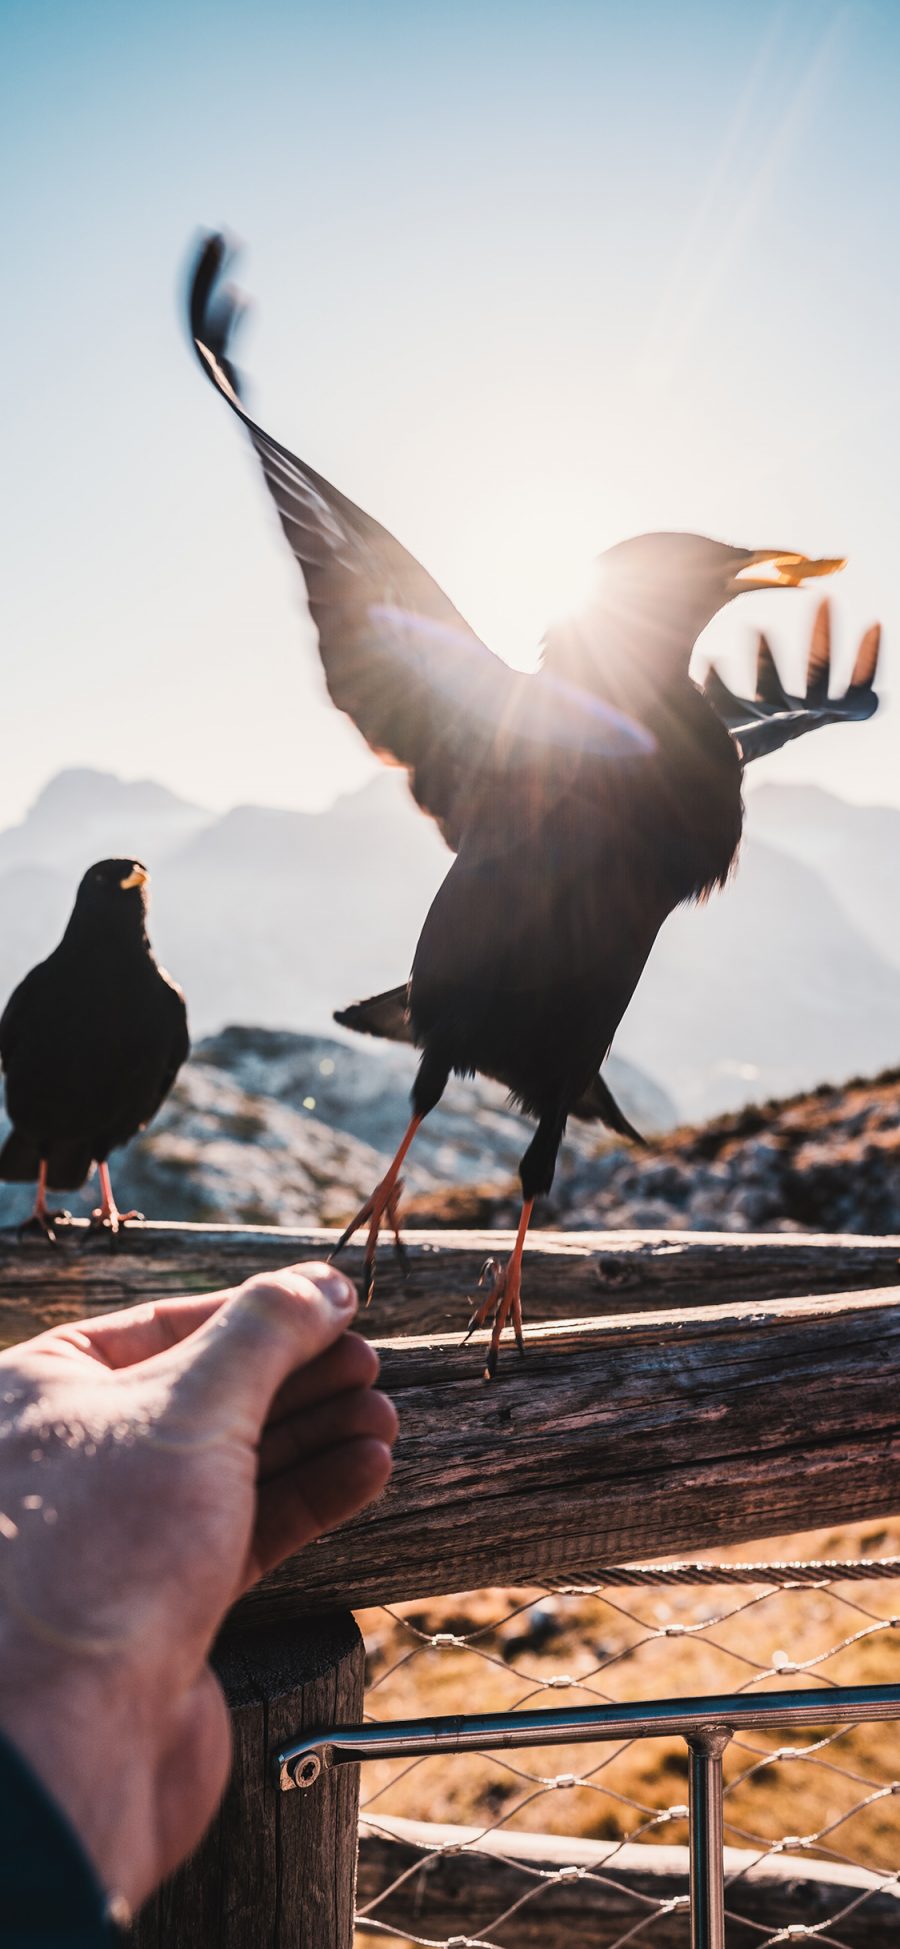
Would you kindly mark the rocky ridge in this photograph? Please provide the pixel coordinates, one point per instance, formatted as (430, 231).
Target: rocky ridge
(267, 1127)
(827, 1161)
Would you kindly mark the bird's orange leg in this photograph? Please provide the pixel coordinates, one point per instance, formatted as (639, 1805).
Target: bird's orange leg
(383, 1204)
(107, 1217)
(41, 1213)
(504, 1300)
(41, 1221)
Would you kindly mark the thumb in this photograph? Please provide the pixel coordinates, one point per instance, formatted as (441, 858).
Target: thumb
(236, 1362)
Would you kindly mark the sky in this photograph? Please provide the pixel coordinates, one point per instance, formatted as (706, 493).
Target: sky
(526, 279)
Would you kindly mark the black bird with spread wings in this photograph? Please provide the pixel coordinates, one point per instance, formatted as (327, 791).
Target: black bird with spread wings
(583, 803)
(90, 1042)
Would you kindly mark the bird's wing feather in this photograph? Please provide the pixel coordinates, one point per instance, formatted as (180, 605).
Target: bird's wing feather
(773, 717)
(180, 1043)
(16, 1011)
(398, 657)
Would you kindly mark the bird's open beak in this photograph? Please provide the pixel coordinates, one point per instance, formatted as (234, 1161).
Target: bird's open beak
(137, 878)
(784, 571)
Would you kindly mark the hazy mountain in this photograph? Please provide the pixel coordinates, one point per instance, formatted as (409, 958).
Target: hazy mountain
(82, 816)
(276, 917)
(280, 917)
(766, 989)
(855, 849)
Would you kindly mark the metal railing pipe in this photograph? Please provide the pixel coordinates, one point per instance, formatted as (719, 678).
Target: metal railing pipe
(707, 1837)
(300, 1763)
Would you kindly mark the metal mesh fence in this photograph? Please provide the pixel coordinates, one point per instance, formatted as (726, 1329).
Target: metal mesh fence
(503, 1852)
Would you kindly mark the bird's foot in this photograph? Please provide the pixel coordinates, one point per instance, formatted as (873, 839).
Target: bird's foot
(383, 1204)
(111, 1220)
(502, 1304)
(41, 1224)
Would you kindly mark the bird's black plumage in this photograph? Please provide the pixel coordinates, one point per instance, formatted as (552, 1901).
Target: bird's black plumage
(92, 1040)
(583, 803)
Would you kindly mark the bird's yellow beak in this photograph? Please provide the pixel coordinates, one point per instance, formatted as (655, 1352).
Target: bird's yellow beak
(785, 571)
(137, 878)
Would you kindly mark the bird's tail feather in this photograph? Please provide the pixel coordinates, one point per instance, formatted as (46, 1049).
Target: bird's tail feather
(385, 1015)
(388, 1015)
(599, 1104)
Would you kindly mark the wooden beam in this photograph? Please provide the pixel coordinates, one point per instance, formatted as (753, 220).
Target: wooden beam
(640, 1431)
(568, 1275)
(620, 1439)
(462, 1894)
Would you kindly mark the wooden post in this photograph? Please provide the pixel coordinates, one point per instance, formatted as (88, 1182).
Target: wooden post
(275, 1868)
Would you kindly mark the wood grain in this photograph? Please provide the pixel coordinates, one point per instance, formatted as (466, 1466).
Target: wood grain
(459, 1895)
(274, 1868)
(657, 1424)
(630, 1438)
(568, 1275)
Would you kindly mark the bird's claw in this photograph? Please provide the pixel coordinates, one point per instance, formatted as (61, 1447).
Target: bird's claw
(111, 1223)
(502, 1306)
(383, 1204)
(40, 1224)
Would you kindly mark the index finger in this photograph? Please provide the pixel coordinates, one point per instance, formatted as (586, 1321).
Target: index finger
(136, 1334)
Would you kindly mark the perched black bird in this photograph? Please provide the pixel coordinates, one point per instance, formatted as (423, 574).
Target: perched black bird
(567, 863)
(90, 1042)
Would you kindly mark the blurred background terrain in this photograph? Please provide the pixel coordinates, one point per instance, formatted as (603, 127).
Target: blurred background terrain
(786, 984)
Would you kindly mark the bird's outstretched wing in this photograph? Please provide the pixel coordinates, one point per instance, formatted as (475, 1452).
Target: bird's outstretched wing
(773, 717)
(398, 657)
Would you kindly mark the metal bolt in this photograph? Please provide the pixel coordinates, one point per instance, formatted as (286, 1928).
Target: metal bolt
(307, 1770)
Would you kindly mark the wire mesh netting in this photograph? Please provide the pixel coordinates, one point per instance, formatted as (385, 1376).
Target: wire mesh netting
(504, 1851)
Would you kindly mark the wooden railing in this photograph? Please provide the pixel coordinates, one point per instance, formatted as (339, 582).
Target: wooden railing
(678, 1392)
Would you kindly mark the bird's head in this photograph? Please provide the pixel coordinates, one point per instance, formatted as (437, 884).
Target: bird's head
(688, 578)
(652, 596)
(113, 894)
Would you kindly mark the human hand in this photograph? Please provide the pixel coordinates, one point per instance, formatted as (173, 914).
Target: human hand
(154, 1464)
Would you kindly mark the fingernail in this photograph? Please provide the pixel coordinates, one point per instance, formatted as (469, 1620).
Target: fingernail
(337, 1291)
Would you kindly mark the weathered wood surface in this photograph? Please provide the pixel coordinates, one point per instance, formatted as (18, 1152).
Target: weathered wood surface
(640, 1428)
(619, 1439)
(275, 1868)
(568, 1275)
(459, 1895)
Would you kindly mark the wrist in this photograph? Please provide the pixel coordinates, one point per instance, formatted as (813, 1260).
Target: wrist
(72, 1728)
